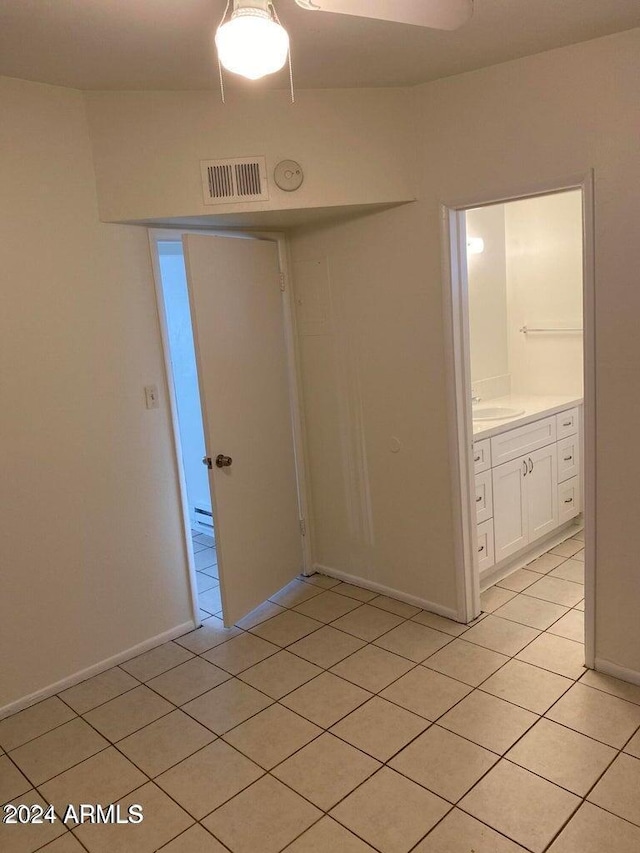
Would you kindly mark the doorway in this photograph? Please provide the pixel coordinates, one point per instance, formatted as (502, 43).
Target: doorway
(519, 304)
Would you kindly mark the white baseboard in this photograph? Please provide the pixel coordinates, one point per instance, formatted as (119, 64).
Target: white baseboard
(96, 669)
(621, 672)
(447, 612)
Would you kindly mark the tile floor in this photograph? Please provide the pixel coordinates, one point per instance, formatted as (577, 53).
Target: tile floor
(335, 720)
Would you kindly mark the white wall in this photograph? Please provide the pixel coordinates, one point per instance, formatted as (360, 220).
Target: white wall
(544, 286)
(90, 545)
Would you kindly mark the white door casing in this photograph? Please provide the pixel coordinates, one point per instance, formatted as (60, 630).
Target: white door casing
(239, 334)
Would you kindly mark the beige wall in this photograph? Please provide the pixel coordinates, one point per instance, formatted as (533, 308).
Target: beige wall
(89, 541)
(355, 147)
(508, 128)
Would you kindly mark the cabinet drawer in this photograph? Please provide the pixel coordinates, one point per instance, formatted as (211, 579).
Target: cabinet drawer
(486, 557)
(569, 499)
(517, 442)
(568, 458)
(482, 455)
(484, 497)
(567, 423)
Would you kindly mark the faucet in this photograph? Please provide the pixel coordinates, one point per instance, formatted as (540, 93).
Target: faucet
(475, 398)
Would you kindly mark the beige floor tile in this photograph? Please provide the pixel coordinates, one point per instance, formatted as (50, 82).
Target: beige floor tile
(390, 812)
(488, 721)
(327, 606)
(461, 833)
(495, 597)
(596, 714)
(392, 605)
(567, 548)
(323, 581)
(195, 840)
(618, 789)
(579, 555)
(440, 623)
(99, 689)
(614, 686)
(205, 582)
(414, 641)
(532, 611)
(286, 628)
(209, 778)
(211, 600)
(212, 571)
(426, 692)
(280, 674)
(210, 634)
(158, 660)
(272, 735)
(326, 647)
(227, 706)
(265, 817)
(592, 830)
(27, 837)
(372, 668)
(519, 580)
(571, 570)
(326, 699)
(570, 626)
(57, 750)
(33, 722)
(103, 778)
(564, 657)
(563, 756)
(519, 804)
(527, 686)
(294, 593)
(444, 763)
(164, 743)
(579, 536)
(367, 622)
(557, 590)
(190, 679)
(12, 781)
(545, 563)
(66, 843)
(204, 558)
(501, 635)
(128, 713)
(466, 662)
(263, 612)
(580, 605)
(633, 747)
(326, 770)
(357, 592)
(240, 653)
(327, 836)
(380, 728)
(163, 820)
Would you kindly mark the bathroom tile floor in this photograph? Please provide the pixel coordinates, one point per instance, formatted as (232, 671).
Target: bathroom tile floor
(335, 720)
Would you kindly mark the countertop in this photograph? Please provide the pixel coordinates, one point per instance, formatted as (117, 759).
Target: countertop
(534, 407)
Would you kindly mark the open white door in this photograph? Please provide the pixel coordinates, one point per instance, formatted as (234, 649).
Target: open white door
(239, 334)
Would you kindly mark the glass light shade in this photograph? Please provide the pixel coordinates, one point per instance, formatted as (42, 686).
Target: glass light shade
(252, 44)
(475, 245)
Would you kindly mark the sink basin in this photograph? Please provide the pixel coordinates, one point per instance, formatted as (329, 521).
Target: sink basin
(496, 413)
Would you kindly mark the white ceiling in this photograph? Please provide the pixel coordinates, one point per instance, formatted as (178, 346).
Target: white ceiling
(167, 44)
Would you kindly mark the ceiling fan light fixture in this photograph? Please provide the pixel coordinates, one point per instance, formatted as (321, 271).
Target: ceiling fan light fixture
(252, 43)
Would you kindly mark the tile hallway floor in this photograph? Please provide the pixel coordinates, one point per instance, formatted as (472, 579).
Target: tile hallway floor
(334, 720)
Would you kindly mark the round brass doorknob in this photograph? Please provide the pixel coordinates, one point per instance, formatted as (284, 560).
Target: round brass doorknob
(223, 461)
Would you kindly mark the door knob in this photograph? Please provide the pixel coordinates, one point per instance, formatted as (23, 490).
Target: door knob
(223, 461)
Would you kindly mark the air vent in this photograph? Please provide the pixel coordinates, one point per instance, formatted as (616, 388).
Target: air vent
(236, 180)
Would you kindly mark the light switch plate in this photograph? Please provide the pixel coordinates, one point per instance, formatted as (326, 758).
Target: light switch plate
(151, 396)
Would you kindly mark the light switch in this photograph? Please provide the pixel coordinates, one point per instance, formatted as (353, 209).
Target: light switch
(151, 396)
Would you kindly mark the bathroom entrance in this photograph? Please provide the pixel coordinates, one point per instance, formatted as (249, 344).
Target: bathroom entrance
(521, 302)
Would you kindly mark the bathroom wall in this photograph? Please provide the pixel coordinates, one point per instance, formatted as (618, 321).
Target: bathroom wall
(544, 290)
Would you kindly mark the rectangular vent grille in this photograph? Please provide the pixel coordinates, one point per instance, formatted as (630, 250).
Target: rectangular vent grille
(239, 179)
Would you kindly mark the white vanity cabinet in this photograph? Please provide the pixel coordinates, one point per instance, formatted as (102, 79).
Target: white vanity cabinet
(528, 485)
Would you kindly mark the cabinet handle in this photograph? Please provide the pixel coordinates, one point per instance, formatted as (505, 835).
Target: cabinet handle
(478, 499)
(477, 458)
(524, 462)
(569, 501)
(568, 458)
(480, 549)
(567, 423)
(530, 465)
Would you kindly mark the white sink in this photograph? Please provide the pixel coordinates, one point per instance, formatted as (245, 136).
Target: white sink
(496, 413)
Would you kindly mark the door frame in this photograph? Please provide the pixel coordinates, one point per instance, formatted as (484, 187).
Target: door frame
(458, 381)
(158, 235)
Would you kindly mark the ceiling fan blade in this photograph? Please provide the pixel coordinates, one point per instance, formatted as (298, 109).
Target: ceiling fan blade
(437, 14)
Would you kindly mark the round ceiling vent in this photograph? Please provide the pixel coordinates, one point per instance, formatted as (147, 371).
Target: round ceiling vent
(288, 175)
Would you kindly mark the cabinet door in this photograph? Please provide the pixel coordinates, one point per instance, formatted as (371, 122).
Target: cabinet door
(509, 508)
(542, 491)
(484, 498)
(486, 558)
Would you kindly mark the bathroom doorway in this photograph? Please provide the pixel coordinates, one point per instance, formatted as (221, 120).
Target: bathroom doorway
(520, 309)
